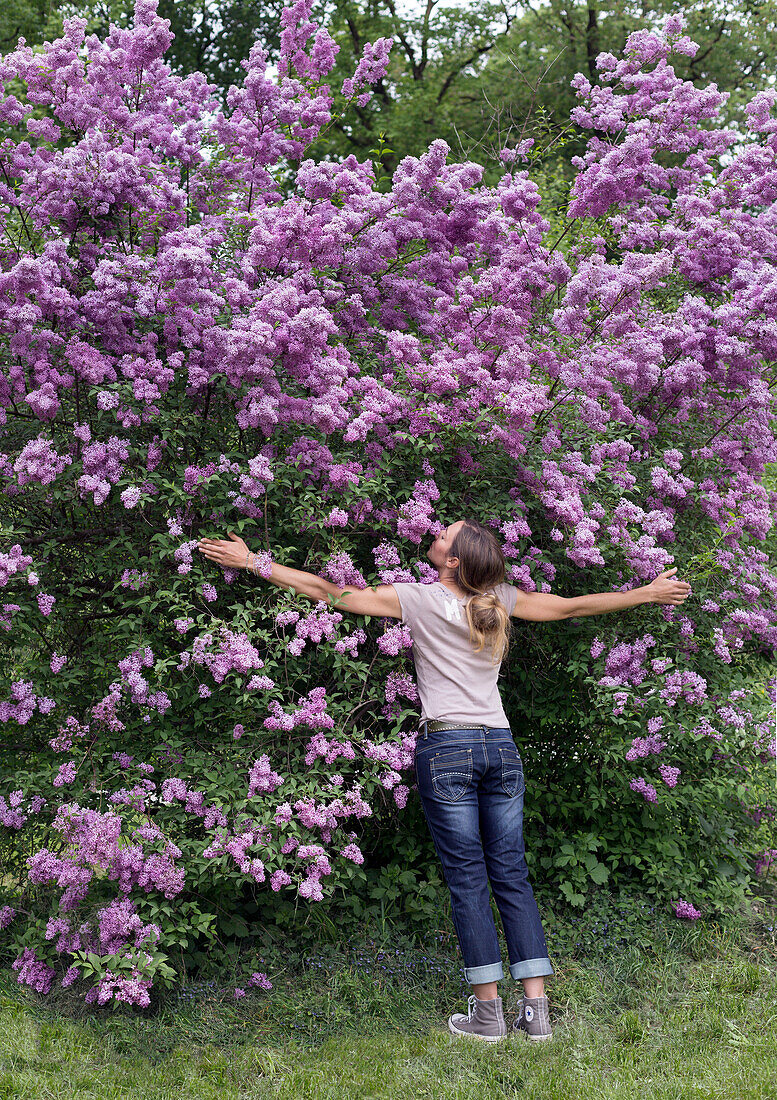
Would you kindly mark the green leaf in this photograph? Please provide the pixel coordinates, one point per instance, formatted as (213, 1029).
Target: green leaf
(599, 874)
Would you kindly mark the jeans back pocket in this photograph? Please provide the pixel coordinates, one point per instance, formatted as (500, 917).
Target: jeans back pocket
(513, 782)
(451, 773)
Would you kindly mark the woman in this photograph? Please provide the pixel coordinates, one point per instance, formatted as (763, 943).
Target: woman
(468, 768)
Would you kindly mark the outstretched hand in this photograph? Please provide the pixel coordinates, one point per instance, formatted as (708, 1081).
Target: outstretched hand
(228, 553)
(666, 589)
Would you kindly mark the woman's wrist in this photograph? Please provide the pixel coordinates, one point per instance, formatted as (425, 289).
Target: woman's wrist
(260, 564)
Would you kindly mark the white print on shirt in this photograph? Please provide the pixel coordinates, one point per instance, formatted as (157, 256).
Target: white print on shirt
(452, 610)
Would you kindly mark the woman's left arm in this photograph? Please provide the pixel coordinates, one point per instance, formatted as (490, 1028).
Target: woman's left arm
(663, 589)
(545, 607)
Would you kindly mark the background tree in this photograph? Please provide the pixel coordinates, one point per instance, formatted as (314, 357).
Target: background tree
(27, 19)
(211, 37)
(453, 69)
(527, 77)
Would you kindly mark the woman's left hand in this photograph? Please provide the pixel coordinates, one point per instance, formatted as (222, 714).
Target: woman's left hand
(228, 553)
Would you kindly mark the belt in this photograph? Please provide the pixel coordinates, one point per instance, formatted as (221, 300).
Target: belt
(432, 724)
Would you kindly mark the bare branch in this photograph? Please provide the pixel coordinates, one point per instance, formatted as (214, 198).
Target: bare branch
(455, 72)
(401, 36)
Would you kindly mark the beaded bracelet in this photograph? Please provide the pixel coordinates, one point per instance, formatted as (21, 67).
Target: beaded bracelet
(262, 566)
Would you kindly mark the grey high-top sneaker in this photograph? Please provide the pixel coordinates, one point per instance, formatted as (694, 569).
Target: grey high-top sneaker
(533, 1019)
(484, 1020)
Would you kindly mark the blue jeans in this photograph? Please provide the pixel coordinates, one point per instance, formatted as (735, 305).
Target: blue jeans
(471, 786)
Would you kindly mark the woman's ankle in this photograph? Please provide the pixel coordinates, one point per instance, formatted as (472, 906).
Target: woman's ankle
(533, 987)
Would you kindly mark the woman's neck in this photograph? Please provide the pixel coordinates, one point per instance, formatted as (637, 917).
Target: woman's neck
(452, 587)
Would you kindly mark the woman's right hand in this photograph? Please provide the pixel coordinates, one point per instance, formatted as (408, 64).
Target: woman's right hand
(666, 589)
(228, 553)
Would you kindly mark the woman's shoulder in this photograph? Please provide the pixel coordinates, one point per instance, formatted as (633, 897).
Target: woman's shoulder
(506, 593)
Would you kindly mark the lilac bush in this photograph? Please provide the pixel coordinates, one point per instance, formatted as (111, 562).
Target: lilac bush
(205, 330)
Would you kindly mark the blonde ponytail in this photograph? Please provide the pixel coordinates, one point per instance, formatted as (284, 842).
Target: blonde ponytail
(481, 567)
(489, 623)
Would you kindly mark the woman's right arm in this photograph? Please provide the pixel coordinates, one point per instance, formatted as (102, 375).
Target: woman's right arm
(381, 601)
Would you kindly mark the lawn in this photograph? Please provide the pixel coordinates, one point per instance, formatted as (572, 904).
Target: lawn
(640, 1007)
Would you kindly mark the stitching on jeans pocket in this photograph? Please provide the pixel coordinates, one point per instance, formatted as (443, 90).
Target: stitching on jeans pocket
(512, 771)
(451, 773)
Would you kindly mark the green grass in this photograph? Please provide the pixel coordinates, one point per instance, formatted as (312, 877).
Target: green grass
(655, 1008)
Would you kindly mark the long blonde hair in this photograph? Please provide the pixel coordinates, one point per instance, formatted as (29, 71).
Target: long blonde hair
(482, 565)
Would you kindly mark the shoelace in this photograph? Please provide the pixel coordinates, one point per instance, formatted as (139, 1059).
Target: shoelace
(471, 1005)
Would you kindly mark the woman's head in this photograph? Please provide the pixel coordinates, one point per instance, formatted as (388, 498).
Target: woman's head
(470, 555)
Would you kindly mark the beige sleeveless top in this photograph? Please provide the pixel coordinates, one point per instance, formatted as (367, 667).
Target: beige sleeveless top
(454, 682)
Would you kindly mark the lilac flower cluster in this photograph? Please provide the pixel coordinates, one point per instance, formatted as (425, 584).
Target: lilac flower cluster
(401, 684)
(23, 702)
(134, 578)
(764, 862)
(33, 971)
(643, 746)
(95, 840)
(311, 712)
(222, 653)
(262, 777)
(669, 774)
(647, 790)
(686, 909)
(350, 644)
(132, 990)
(624, 662)
(260, 979)
(12, 816)
(416, 513)
(319, 748)
(316, 626)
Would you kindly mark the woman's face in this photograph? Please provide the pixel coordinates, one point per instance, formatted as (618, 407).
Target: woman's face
(440, 549)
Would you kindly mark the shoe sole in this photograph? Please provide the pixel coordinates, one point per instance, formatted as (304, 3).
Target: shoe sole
(533, 1038)
(473, 1035)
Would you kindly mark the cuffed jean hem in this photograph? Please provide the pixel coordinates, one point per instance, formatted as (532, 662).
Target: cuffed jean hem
(531, 968)
(490, 972)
